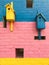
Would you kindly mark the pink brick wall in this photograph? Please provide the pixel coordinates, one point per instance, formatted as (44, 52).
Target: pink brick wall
(23, 37)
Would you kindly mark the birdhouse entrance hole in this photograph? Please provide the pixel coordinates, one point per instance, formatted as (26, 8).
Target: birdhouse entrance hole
(8, 8)
(39, 17)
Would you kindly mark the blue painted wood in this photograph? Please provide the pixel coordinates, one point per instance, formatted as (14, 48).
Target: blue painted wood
(40, 22)
(26, 14)
(39, 34)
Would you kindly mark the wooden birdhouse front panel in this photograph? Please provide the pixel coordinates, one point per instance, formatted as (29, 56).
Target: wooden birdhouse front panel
(10, 13)
(40, 22)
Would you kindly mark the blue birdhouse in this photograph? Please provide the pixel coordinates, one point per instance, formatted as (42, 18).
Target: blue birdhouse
(40, 21)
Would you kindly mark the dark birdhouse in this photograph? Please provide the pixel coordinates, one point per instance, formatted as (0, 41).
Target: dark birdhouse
(40, 21)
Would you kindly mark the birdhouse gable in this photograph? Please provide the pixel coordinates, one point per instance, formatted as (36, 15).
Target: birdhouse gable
(8, 5)
(41, 16)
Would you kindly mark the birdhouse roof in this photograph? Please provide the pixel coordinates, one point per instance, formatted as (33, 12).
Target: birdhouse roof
(41, 16)
(7, 5)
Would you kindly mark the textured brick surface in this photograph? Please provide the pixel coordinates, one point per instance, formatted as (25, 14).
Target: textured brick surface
(23, 37)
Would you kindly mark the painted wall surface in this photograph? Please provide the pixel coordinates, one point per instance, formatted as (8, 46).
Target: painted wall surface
(23, 37)
(26, 14)
(24, 61)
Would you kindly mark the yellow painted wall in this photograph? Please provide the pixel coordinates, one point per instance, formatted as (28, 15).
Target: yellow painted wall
(24, 61)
